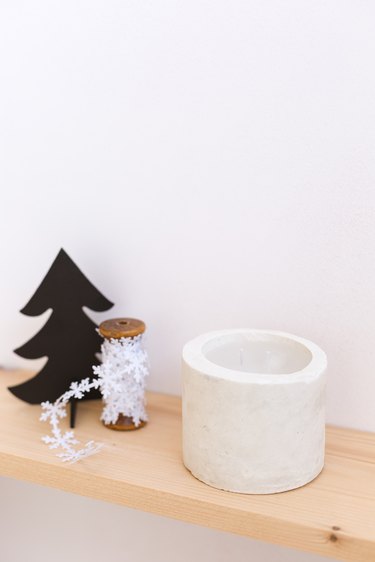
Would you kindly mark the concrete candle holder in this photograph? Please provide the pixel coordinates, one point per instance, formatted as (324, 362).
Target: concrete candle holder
(253, 410)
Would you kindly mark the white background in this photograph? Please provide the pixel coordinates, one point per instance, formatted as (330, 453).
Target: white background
(208, 164)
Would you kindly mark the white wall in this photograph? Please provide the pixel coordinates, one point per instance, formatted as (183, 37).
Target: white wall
(208, 164)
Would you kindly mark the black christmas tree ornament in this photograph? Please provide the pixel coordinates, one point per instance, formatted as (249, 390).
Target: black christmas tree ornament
(69, 338)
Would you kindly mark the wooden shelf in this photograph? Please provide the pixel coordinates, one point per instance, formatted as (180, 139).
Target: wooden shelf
(333, 516)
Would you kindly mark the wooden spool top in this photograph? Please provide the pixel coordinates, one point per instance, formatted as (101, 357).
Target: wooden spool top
(117, 328)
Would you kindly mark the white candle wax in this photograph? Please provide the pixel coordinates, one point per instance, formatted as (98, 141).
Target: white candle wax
(253, 410)
(254, 354)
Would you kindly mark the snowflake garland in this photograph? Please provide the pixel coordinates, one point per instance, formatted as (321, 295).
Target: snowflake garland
(122, 377)
(56, 411)
(121, 381)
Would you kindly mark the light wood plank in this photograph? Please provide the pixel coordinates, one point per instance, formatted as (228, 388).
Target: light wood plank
(333, 516)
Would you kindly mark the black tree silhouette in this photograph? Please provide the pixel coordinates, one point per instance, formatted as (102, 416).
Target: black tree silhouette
(69, 338)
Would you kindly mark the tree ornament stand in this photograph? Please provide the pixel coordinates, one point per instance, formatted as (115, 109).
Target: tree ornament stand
(69, 338)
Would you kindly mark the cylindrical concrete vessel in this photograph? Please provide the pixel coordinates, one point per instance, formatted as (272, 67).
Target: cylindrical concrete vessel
(253, 410)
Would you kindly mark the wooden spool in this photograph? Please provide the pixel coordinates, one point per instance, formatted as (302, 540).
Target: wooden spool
(118, 328)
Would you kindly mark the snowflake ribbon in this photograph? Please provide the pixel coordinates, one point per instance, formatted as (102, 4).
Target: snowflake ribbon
(121, 381)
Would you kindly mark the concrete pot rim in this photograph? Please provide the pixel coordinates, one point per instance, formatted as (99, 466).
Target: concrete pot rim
(194, 356)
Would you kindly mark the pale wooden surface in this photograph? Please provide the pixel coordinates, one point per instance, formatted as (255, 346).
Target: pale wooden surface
(333, 516)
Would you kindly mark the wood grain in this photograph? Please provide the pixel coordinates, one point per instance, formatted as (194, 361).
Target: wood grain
(117, 328)
(333, 516)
